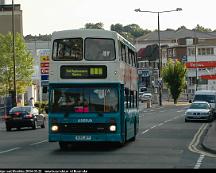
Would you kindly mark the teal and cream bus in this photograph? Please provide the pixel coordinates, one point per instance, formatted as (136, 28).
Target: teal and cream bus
(93, 88)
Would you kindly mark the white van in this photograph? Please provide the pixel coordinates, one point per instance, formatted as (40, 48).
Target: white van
(208, 96)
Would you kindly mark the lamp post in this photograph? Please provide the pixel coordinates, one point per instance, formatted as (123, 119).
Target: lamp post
(14, 95)
(195, 57)
(159, 53)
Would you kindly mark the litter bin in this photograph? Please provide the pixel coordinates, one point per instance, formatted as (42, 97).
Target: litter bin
(148, 103)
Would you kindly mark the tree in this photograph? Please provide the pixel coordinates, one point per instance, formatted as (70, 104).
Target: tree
(130, 32)
(24, 64)
(202, 29)
(174, 77)
(134, 29)
(98, 25)
(117, 27)
(182, 27)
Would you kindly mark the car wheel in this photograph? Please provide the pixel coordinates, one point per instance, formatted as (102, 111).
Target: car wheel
(134, 137)
(43, 125)
(34, 125)
(8, 128)
(210, 119)
(186, 120)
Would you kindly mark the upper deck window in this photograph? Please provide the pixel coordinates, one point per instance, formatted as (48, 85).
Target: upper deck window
(99, 49)
(70, 49)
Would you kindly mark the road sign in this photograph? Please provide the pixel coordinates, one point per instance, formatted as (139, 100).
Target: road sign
(44, 71)
(44, 77)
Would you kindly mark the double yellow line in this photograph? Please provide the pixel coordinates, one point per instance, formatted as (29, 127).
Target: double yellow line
(193, 146)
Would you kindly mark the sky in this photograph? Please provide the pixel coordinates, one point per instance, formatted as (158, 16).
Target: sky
(47, 16)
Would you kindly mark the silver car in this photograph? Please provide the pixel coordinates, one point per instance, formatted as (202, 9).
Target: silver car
(199, 110)
(145, 97)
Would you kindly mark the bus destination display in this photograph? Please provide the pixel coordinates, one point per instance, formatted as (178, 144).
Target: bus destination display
(83, 72)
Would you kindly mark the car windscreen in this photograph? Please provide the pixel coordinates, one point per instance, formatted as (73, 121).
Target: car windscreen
(20, 109)
(207, 98)
(199, 106)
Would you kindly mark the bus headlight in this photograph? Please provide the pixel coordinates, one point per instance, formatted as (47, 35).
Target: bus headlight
(54, 128)
(112, 128)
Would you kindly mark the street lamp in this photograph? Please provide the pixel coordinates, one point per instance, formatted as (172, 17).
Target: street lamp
(159, 54)
(195, 57)
(14, 95)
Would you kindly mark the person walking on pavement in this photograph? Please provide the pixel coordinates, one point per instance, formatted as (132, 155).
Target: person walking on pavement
(31, 101)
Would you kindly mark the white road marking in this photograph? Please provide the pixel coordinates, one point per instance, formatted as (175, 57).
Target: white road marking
(160, 124)
(36, 143)
(199, 162)
(145, 131)
(6, 151)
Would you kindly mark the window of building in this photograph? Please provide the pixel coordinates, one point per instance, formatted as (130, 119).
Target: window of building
(206, 51)
(191, 51)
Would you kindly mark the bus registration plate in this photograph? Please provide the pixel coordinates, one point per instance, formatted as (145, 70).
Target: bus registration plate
(83, 138)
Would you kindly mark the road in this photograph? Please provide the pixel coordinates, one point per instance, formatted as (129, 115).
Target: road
(164, 141)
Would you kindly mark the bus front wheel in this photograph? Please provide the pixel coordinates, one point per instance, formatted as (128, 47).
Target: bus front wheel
(63, 145)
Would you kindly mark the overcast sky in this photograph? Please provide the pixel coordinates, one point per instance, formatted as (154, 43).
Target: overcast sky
(46, 16)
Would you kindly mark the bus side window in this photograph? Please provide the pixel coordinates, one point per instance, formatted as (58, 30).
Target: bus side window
(126, 98)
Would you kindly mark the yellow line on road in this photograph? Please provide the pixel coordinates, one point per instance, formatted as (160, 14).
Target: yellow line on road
(193, 146)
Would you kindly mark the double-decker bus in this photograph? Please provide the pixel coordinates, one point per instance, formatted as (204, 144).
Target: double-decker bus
(93, 88)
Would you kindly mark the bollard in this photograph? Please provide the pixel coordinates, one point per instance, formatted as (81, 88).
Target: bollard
(148, 103)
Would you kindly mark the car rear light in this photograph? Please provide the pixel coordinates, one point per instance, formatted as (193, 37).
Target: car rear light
(28, 116)
(6, 117)
(17, 113)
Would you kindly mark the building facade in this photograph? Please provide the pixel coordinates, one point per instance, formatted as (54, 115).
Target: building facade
(6, 18)
(196, 49)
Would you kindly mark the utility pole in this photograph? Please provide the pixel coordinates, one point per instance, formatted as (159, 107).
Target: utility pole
(14, 94)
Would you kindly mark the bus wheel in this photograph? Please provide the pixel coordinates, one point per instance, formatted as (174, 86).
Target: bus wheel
(134, 137)
(63, 145)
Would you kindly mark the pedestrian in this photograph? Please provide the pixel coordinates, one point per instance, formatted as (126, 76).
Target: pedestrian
(31, 101)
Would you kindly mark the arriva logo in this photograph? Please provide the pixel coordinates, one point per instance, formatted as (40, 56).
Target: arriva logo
(85, 120)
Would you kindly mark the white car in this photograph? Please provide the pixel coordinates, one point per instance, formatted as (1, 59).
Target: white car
(199, 110)
(145, 97)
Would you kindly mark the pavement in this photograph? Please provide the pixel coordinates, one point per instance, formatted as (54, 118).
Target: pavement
(209, 140)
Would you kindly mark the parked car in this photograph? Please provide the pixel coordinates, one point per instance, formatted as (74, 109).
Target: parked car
(199, 110)
(24, 116)
(145, 97)
(208, 96)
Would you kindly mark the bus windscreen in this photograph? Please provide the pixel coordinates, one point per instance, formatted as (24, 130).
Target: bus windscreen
(82, 100)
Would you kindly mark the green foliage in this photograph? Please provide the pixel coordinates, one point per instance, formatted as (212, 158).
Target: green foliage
(40, 37)
(130, 32)
(23, 61)
(202, 29)
(174, 77)
(42, 106)
(98, 25)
